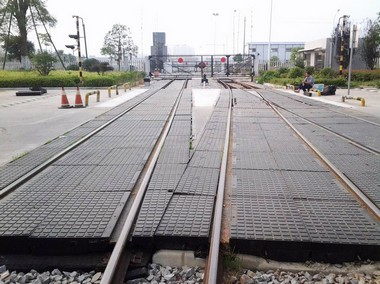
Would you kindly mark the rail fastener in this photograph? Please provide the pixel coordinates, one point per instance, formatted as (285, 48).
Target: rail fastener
(87, 96)
(113, 87)
(362, 100)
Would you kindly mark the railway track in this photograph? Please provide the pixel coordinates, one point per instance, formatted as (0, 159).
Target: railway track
(32, 169)
(116, 268)
(11, 182)
(122, 239)
(364, 199)
(360, 194)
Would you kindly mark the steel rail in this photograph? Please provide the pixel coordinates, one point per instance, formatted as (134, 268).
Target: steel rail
(352, 187)
(24, 178)
(348, 139)
(213, 257)
(110, 275)
(347, 114)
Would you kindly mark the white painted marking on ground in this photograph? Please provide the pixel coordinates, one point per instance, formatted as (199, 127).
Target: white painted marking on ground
(321, 99)
(205, 97)
(204, 101)
(122, 98)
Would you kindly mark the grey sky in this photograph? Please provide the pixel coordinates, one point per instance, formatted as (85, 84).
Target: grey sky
(193, 23)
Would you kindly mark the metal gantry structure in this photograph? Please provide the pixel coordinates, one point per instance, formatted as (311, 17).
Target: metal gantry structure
(213, 65)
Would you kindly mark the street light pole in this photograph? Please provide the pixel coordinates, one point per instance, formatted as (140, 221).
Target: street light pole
(215, 14)
(233, 34)
(244, 39)
(270, 34)
(84, 37)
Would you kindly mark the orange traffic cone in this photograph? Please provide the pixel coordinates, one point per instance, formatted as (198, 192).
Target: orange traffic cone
(78, 99)
(64, 100)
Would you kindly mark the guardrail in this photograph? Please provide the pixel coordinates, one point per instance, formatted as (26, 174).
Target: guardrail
(87, 97)
(127, 86)
(113, 87)
(362, 100)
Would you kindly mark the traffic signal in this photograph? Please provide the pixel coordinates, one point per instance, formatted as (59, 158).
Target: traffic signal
(73, 36)
(70, 46)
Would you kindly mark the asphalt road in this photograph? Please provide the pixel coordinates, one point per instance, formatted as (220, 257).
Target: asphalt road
(27, 122)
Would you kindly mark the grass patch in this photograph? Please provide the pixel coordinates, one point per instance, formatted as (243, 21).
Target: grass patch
(19, 156)
(231, 262)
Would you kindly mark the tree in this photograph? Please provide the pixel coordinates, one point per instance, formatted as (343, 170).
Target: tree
(91, 65)
(13, 46)
(118, 43)
(274, 59)
(238, 58)
(21, 14)
(296, 58)
(44, 62)
(370, 50)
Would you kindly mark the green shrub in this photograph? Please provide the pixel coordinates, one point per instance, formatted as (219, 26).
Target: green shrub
(43, 62)
(72, 67)
(283, 70)
(364, 75)
(337, 82)
(101, 81)
(15, 79)
(285, 81)
(267, 76)
(260, 80)
(327, 73)
(297, 81)
(296, 72)
(91, 65)
(310, 69)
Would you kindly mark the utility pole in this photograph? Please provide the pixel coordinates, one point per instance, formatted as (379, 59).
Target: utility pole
(244, 40)
(84, 37)
(341, 58)
(353, 44)
(233, 34)
(270, 34)
(77, 37)
(331, 39)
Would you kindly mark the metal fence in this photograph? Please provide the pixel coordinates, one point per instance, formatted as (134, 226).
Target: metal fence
(136, 64)
(274, 65)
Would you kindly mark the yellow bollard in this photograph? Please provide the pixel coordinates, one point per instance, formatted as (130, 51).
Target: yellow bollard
(110, 88)
(125, 86)
(362, 101)
(87, 96)
(319, 93)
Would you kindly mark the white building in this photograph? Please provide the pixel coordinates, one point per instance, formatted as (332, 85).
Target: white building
(282, 50)
(323, 53)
